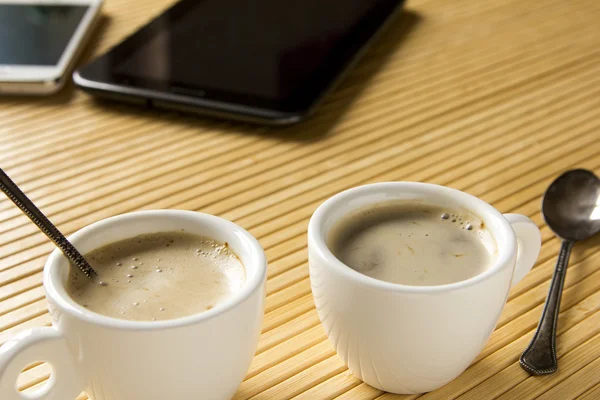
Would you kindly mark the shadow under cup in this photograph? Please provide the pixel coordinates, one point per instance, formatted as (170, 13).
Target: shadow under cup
(410, 339)
(203, 355)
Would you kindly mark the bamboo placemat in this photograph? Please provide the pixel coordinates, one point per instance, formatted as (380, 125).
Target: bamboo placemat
(493, 98)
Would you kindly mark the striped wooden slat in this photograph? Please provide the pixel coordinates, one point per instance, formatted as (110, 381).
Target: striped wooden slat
(493, 98)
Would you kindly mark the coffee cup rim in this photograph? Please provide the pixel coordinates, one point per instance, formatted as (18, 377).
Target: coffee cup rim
(58, 296)
(506, 241)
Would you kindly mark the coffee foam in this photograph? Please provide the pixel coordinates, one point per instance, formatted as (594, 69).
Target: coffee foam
(158, 276)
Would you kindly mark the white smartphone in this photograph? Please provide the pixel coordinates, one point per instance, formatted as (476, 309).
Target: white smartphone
(40, 40)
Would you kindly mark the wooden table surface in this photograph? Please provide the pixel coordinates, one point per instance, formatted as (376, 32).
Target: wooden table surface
(495, 98)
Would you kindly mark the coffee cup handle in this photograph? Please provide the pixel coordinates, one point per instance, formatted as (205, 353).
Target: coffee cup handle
(39, 344)
(529, 240)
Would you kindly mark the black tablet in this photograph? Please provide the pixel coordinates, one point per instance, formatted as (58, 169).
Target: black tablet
(268, 61)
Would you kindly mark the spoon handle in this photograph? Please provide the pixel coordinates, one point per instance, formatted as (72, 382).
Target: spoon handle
(22, 201)
(540, 356)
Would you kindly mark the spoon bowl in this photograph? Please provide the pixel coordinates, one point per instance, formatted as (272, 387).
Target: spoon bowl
(571, 205)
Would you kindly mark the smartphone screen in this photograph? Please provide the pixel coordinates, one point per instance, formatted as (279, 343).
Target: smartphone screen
(37, 34)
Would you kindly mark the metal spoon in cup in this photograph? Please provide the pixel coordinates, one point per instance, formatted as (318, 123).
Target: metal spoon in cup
(571, 208)
(22, 201)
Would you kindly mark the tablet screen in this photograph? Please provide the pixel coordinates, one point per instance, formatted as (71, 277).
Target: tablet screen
(267, 54)
(266, 48)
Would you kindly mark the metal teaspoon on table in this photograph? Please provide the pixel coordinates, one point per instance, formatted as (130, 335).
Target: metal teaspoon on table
(571, 208)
